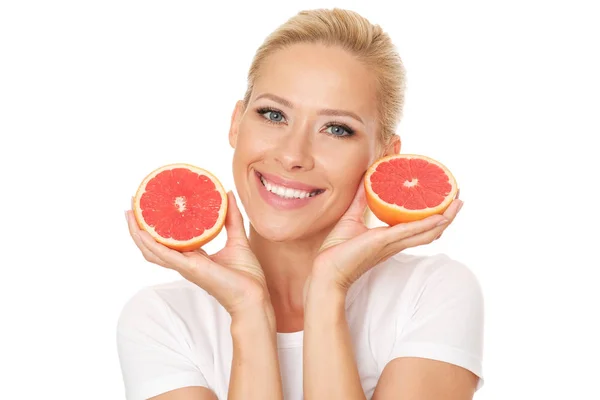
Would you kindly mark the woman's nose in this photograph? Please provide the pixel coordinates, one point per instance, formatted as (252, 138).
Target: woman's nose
(295, 150)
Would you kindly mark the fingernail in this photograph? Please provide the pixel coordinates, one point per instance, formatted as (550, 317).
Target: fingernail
(460, 205)
(126, 216)
(442, 222)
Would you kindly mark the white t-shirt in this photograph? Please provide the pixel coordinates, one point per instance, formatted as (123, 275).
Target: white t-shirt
(174, 334)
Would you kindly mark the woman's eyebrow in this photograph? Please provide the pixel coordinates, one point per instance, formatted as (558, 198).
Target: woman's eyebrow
(326, 111)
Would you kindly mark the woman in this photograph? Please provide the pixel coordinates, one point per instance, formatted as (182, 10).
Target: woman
(312, 304)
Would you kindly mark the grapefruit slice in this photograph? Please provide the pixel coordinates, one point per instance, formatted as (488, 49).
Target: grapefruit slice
(181, 206)
(408, 187)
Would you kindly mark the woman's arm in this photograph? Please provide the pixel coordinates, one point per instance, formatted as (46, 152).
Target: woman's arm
(420, 378)
(255, 373)
(234, 277)
(255, 367)
(330, 370)
(187, 393)
(350, 250)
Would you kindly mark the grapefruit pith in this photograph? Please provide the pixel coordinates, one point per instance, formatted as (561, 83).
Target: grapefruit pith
(408, 187)
(181, 206)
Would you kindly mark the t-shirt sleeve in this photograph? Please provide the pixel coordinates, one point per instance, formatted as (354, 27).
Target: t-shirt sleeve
(445, 321)
(153, 356)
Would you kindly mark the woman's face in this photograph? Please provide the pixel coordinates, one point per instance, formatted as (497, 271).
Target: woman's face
(303, 143)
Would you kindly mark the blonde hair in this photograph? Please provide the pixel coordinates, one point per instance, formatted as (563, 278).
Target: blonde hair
(354, 33)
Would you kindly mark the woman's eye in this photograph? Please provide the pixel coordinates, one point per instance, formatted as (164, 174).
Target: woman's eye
(338, 130)
(274, 116)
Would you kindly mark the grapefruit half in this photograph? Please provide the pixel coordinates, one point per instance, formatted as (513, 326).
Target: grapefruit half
(181, 206)
(408, 187)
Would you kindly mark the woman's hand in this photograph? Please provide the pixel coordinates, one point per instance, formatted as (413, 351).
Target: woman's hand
(351, 249)
(233, 275)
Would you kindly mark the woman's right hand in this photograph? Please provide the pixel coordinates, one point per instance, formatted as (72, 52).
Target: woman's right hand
(233, 275)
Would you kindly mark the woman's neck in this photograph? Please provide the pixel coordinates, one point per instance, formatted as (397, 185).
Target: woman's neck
(286, 266)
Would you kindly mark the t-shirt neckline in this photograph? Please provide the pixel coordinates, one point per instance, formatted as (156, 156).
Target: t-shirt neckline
(295, 339)
(289, 339)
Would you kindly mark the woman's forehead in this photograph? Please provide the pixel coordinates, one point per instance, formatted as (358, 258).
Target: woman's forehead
(311, 75)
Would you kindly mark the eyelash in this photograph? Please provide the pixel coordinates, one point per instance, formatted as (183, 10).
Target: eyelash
(350, 131)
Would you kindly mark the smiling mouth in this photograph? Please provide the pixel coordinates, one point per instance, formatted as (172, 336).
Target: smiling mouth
(286, 192)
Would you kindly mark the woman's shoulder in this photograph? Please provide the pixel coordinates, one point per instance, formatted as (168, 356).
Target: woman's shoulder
(427, 306)
(168, 303)
(418, 269)
(407, 277)
(440, 265)
(163, 338)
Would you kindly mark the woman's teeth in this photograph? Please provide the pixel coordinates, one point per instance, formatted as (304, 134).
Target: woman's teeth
(288, 193)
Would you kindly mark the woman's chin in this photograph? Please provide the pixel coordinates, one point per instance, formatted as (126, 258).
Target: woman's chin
(276, 233)
(283, 232)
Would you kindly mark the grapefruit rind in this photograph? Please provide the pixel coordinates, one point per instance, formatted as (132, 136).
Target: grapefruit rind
(182, 245)
(393, 214)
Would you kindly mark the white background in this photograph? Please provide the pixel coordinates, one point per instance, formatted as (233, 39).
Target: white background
(94, 95)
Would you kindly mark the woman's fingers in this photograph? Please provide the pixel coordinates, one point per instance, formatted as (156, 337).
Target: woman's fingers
(358, 205)
(410, 229)
(234, 223)
(167, 257)
(192, 266)
(452, 213)
(417, 233)
(134, 231)
(200, 251)
(195, 266)
(153, 251)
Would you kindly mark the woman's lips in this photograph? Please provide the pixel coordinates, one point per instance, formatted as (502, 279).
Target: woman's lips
(279, 202)
(288, 183)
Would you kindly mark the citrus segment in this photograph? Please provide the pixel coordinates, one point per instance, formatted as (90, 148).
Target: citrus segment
(181, 206)
(408, 187)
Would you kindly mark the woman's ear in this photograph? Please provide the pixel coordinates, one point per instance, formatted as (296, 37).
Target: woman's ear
(236, 117)
(394, 146)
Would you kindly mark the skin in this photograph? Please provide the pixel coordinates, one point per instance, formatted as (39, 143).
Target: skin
(302, 149)
(294, 270)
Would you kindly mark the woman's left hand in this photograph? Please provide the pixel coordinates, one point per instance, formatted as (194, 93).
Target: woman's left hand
(351, 248)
